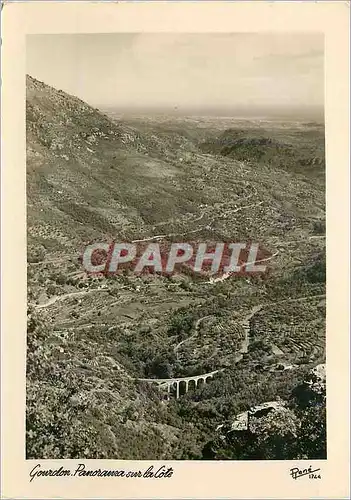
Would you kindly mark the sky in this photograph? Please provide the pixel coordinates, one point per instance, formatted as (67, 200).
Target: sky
(184, 73)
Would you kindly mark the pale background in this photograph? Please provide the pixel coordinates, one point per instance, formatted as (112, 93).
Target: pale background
(186, 73)
(191, 479)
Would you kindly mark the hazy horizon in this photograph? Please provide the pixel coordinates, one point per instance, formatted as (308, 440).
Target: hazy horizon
(186, 74)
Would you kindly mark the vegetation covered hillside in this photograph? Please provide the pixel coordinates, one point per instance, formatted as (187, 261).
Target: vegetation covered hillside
(99, 177)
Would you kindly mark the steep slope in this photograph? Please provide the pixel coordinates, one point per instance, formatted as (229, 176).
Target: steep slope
(82, 181)
(86, 178)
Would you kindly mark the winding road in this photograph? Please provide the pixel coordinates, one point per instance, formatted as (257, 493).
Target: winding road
(196, 330)
(59, 298)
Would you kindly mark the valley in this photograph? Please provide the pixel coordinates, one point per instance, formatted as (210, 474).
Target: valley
(96, 342)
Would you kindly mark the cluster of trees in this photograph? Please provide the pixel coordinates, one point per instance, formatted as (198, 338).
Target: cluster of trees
(299, 156)
(79, 409)
(293, 431)
(181, 322)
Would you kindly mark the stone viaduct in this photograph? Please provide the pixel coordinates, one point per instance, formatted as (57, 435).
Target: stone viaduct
(168, 384)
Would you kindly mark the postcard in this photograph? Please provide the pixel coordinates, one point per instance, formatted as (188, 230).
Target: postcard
(175, 267)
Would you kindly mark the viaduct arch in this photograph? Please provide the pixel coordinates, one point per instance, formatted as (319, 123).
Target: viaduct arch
(167, 384)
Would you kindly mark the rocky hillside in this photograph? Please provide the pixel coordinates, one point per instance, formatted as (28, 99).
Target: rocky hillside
(299, 153)
(89, 177)
(92, 176)
(278, 428)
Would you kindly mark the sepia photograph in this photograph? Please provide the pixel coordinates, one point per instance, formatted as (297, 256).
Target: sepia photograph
(175, 268)
(176, 256)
